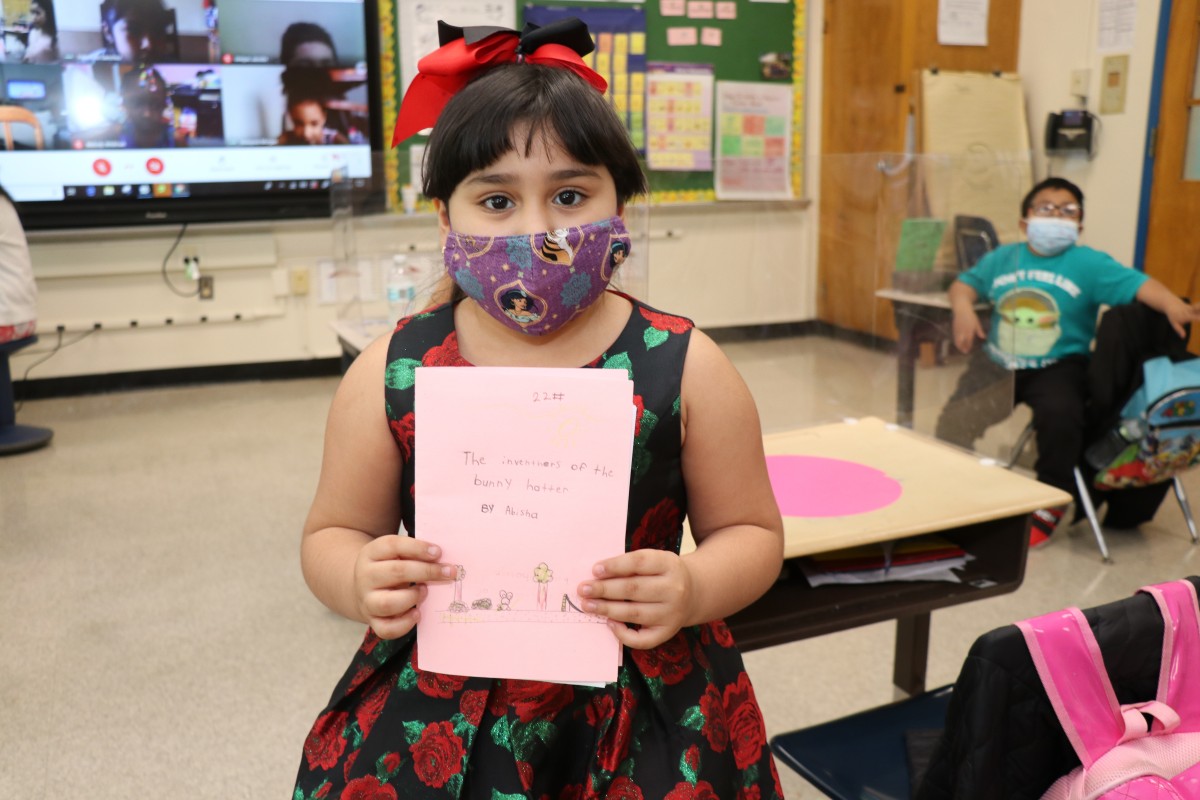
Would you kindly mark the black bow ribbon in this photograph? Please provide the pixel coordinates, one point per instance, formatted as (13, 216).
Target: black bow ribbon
(571, 32)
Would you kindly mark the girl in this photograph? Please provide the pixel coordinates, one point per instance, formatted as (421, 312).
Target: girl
(530, 148)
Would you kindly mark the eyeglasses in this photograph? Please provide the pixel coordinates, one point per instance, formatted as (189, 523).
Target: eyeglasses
(1071, 210)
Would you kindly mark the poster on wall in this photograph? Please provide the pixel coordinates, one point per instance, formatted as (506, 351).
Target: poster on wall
(754, 134)
(619, 57)
(679, 130)
(417, 26)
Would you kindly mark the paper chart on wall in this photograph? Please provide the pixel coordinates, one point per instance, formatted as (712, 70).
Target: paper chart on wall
(679, 116)
(417, 26)
(754, 135)
(523, 480)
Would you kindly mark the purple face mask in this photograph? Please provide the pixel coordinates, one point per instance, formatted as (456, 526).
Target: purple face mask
(537, 282)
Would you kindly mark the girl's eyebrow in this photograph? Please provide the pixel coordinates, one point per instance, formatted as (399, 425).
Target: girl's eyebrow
(507, 178)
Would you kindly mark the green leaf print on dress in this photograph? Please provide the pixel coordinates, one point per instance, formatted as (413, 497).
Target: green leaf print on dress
(401, 373)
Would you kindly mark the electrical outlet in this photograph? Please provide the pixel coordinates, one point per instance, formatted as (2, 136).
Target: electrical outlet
(206, 290)
(299, 280)
(1079, 82)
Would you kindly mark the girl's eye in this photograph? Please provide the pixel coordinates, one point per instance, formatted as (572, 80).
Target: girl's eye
(497, 202)
(569, 197)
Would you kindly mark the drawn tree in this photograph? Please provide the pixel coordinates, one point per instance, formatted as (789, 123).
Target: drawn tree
(543, 575)
(458, 605)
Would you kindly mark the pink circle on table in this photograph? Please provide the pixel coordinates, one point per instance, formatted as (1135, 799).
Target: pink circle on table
(812, 486)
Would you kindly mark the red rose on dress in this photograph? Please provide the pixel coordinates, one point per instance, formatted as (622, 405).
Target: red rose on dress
(525, 770)
(360, 676)
(371, 707)
(747, 734)
(348, 766)
(658, 528)
(370, 641)
(703, 790)
(391, 762)
(671, 660)
(640, 404)
(623, 789)
(438, 754)
(323, 792)
(716, 729)
(446, 354)
(400, 323)
(368, 787)
(572, 792)
(599, 710)
(665, 322)
(436, 684)
(325, 745)
(403, 430)
(692, 757)
(498, 699)
(750, 793)
(472, 704)
(721, 633)
(537, 700)
(615, 745)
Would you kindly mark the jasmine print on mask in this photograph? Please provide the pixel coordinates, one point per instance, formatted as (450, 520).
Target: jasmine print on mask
(535, 283)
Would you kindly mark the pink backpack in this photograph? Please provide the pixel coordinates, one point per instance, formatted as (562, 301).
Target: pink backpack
(1121, 756)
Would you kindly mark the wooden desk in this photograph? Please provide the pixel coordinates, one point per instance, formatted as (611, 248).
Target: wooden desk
(354, 336)
(919, 316)
(984, 509)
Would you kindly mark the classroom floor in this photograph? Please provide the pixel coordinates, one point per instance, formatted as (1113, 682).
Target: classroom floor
(159, 641)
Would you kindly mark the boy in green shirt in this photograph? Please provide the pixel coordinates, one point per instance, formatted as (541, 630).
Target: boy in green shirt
(1046, 294)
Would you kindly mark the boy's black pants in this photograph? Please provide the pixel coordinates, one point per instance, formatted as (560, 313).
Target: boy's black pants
(1057, 395)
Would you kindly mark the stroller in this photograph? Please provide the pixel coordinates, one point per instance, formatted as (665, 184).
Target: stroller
(1144, 420)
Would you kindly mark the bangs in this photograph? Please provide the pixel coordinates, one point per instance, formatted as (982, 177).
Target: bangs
(508, 109)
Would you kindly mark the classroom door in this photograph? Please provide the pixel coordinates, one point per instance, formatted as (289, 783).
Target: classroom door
(872, 49)
(1173, 234)
(862, 115)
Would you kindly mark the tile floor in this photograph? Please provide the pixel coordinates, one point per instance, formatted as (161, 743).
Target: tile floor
(157, 639)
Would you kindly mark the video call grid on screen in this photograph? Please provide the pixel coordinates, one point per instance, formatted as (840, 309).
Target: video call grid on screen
(142, 74)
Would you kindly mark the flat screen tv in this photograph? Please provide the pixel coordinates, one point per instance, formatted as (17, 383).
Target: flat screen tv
(133, 112)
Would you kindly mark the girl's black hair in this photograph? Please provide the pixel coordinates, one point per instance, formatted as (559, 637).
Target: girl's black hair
(51, 26)
(299, 33)
(478, 125)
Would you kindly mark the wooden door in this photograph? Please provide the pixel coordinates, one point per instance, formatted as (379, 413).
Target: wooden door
(1173, 234)
(872, 48)
(862, 115)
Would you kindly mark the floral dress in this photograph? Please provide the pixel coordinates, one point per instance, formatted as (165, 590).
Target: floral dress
(680, 722)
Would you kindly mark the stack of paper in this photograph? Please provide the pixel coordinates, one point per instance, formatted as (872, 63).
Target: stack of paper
(923, 558)
(522, 479)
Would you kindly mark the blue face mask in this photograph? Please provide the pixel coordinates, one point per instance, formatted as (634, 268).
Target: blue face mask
(1050, 236)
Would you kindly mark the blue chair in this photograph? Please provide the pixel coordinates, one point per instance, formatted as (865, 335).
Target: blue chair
(864, 756)
(16, 438)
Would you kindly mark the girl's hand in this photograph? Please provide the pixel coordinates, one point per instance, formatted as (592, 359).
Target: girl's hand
(650, 588)
(967, 329)
(390, 574)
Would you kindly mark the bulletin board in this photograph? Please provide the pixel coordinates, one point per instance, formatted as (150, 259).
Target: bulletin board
(759, 28)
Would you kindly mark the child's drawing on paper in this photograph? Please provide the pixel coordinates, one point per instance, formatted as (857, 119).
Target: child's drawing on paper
(505, 601)
(543, 575)
(458, 606)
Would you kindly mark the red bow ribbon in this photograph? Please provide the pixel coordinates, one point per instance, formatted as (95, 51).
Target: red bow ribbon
(467, 51)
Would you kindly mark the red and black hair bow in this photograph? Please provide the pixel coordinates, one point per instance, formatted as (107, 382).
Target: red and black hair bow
(465, 52)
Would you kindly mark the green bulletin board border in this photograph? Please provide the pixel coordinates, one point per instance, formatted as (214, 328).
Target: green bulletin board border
(666, 187)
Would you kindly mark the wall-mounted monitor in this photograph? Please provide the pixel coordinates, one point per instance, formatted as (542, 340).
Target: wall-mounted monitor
(119, 112)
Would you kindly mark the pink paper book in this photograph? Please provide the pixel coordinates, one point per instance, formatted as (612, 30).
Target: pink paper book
(522, 478)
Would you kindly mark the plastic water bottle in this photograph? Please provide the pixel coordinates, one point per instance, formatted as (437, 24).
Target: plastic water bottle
(401, 289)
(1101, 454)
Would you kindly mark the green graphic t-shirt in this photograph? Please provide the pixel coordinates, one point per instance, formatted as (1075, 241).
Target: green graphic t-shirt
(1045, 308)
